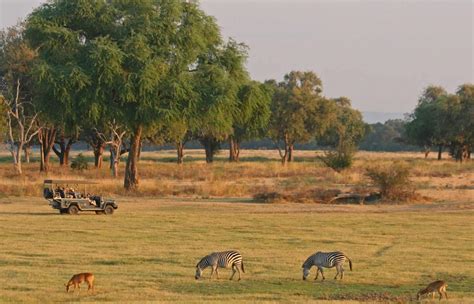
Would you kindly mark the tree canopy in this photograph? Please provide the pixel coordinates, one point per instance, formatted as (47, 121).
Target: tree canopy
(299, 111)
(117, 58)
(444, 120)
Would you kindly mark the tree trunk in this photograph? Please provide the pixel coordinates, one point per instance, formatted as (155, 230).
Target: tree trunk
(114, 161)
(465, 152)
(237, 151)
(139, 150)
(290, 153)
(233, 150)
(41, 158)
(64, 150)
(440, 151)
(16, 154)
(427, 151)
(209, 154)
(68, 150)
(131, 169)
(98, 154)
(46, 137)
(27, 150)
(211, 146)
(180, 151)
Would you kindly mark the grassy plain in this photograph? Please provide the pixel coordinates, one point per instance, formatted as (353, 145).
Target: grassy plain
(147, 251)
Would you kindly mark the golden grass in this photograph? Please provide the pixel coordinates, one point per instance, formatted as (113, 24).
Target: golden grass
(146, 251)
(259, 171)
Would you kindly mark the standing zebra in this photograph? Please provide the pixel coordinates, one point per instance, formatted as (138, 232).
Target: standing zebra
(327, 260)
(221, 259)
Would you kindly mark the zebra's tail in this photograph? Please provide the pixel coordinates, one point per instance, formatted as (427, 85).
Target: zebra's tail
(350, 263)
(243, 266)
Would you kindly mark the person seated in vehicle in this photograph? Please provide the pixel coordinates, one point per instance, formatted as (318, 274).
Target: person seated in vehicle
(71, 193)
(60, 190)
(95, 199)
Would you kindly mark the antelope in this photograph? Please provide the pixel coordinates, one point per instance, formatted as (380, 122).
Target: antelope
(436, 286)
(78, 279)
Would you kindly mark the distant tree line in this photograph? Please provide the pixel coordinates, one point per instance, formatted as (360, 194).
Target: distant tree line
(118, 74)
(444, 121)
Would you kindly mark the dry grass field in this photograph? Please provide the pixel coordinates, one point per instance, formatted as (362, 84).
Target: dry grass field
(146, 251)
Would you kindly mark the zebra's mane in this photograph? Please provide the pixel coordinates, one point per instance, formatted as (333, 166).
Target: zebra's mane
(202, 260)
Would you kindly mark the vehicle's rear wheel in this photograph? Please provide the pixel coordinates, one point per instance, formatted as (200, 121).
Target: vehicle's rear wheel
(109, 209)
(73, 209)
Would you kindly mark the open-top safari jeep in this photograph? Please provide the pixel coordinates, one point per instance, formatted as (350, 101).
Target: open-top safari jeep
(63, 195)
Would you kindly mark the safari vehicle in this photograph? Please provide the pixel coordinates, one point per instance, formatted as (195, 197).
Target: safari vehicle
(63, 195)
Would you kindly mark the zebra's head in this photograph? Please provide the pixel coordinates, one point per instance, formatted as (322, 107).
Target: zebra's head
(198, 274)
(305, 272)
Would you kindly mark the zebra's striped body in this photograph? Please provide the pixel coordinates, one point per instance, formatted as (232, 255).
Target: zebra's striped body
(222, 259)
(326, 260)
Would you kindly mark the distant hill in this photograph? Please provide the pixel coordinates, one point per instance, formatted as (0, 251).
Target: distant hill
(375, 117)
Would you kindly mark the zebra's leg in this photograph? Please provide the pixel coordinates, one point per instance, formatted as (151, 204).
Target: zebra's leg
(217, 273)
(342, 272)
(317, 274)
(337, 272)
(238, 270)
(214, 268)
(233, 272)
(322, 273)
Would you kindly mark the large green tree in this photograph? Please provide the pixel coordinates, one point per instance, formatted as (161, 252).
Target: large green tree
(118, 56)
(345, 132)
(444, 119)
(219, 75)
(348, 127)
(462, 130)
(299, 112)
(252, 116)
(427, 125)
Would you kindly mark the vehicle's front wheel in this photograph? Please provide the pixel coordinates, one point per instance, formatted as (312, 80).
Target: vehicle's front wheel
(73, 209)
(109, 209)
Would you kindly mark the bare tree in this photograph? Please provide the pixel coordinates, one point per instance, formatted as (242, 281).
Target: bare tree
(114, 139)
(21, 123)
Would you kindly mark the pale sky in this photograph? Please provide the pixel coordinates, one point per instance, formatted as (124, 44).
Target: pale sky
(380, 54)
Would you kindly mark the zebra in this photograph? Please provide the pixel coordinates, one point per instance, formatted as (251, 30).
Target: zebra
(222, 259)
(327, 260)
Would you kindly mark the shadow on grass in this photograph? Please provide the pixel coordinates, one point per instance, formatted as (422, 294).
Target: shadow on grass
(327, 290)
(30, 213)
(229, 200)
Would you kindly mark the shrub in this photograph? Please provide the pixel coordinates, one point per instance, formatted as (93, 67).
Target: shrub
(338, 160)
(79, 163)
(392, 180)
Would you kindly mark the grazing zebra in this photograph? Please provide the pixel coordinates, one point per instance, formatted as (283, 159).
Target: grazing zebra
(221, 259)
(327, 260)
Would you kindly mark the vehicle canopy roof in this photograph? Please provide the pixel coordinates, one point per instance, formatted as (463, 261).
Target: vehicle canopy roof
(68, 181)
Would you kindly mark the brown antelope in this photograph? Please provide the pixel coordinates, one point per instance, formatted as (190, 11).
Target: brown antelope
(436, 286)
(78, 279)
